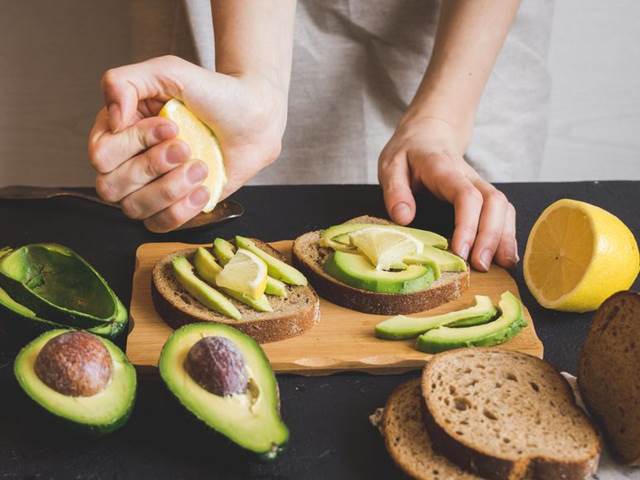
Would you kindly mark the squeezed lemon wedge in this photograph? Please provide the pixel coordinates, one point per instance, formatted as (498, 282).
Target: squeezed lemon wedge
(245, 273)
(203, 144)
(384, 247)
(577, 255)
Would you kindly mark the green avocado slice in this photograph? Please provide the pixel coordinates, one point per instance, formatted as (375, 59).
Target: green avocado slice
(251, 419)
(59, 285)
(447, 261)
(101, 413)
(328, 236)
(202, 291)
(276, 267)
(224, 250)
(401, 327)
(355, 270)
(507, 325)
(18, 319)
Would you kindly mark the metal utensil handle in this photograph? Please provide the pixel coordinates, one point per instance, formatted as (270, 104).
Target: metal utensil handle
(20, 192)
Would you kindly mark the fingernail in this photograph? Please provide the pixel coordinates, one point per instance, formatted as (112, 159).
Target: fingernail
(485, 259)
(401, 212)
(463, 251)
(114, 117)
(176, 153)
(197, 172)
(199, 196)
(515, 250)
(165, 131)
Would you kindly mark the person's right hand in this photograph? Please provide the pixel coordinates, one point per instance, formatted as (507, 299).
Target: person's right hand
(141, 164)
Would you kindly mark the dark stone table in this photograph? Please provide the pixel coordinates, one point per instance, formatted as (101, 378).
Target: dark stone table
(331, 436)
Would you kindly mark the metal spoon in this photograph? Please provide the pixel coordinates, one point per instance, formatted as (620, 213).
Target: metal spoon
(225, 210)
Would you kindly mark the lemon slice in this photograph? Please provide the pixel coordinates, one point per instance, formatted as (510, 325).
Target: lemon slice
(203, 144)
(245, 274)
(577, 255)
(385, 247)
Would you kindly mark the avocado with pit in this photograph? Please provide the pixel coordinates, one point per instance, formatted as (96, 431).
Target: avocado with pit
(506, 326)
(224, 250)
(355, 270)
(328, 236)
(81, 378)
(57, 284)
(447, 261)
(276, 267)
(207, 269)
(202, 291)
(401, 327)
(223, 378)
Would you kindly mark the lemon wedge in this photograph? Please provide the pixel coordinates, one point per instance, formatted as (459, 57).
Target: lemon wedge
(245, 274)
(577, 255)
(384, 247)
(203, 144)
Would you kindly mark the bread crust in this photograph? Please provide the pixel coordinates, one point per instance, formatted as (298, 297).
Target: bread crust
(309, 257)
(264, 327)
(608, 374)
(490, 466)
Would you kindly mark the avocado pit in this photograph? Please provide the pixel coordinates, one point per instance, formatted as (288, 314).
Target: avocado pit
(75, 364)
(217, 365)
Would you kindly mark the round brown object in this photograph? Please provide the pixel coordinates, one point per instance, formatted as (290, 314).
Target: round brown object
(76, 364)
(218, 366)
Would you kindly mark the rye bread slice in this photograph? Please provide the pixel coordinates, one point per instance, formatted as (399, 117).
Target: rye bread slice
(291, 316)
(407, 439)
(608, 375)
(309, 257)
(507, 415)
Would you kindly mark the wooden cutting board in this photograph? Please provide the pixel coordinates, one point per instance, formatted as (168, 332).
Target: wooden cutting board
(343, 340)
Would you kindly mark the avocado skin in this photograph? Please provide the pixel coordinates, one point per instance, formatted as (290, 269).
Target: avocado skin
(426, 343)
(45, 308)
(25, 325)
(69, 425)
(186, 391)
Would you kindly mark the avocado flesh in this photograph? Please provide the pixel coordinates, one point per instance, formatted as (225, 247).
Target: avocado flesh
(447, 261)
(252, 419)
(101, 413)
(355, 270)
(207, 268)
(401, 327)
(201, 291)
(328, 236)
(276, 267)
(58, 284)
(224, 250)
(507, 325)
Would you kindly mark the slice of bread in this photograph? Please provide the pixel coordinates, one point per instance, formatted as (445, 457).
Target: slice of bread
(507, 415)
(407, 439)
(291, 316)
(309, 257)
(608, 375)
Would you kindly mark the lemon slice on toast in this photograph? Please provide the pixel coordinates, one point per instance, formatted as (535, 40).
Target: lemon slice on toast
(385, 247)
(245, 274)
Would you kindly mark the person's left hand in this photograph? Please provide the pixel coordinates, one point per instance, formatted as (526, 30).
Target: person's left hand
(427, 152)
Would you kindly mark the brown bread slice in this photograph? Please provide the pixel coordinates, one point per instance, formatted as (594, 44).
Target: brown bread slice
(507, 415)
(291, 316)
(609, 374)
(407, 439)
(309, 257)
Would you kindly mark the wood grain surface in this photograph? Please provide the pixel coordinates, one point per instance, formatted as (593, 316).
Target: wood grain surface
(342, 341)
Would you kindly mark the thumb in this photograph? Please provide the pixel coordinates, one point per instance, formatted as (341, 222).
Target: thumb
(394, 178)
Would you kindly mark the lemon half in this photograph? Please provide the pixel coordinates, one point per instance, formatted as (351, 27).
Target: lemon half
(203, 144)
(577, 255)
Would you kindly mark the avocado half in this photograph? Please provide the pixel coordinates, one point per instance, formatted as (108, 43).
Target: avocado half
(99, 413)
(58, 285)
(248, 412)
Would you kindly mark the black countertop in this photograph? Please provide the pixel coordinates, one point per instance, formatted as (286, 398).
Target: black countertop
(328, 416)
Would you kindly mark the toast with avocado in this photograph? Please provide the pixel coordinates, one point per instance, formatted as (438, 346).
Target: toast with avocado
(204, 285)
(374, 266)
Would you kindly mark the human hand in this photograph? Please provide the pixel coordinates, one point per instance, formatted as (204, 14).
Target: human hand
(426, 152)
(141, 164)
